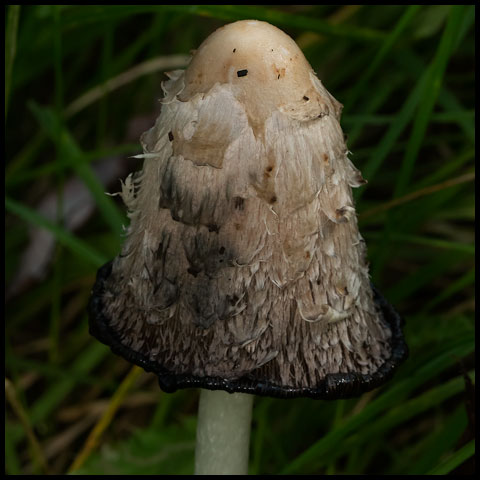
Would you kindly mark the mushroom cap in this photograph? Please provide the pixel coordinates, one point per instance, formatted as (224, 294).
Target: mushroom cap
(243, 268)
(333, 387)
(264, 50)
(265, 67)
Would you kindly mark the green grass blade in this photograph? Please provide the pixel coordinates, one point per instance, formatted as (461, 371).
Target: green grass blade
(433, 447)
(463, 282)
(61, 235)
(51, 168)
(410, 62)
(46, 403)
(88, 359)
(455, 460)
(93, 440)
(387, 143)
(451, 105)
(55, 309)
(429, 97)
(398, 415)
(423, 276)
(467, 22)
(371, 105)
(72, 153)
(105, 74)
(447, 117)
(12, 462)
(276, 17)
(397, 221)
(99, 13)
(430, 208)
(387, 45)
(391, 397)
(431, 78)
(57, 59)
(412, 407)
(429, 242)
(10, 49)
(446, 171)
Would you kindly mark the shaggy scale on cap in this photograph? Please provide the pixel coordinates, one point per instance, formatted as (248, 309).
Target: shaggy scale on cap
(243, 268)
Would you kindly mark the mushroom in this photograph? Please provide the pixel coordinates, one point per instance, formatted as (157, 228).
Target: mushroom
(243, 268)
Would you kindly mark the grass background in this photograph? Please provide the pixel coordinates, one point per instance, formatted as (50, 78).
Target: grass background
(82, 82)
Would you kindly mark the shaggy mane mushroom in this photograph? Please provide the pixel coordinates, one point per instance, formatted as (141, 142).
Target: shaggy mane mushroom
(243, 268)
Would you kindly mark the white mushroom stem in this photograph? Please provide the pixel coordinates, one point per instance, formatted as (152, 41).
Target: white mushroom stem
(223, 433)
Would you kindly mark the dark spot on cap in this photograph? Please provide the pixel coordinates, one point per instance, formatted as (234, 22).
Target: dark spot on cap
(306, 98)
(233, 300)
(221, 250)
(242, 73)
(278, 77)
(273, 199)
(239, 203)
(212, 227)
(193, 271)
(325, 158)
(234, 50)
(170, 136)
(269, 168)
